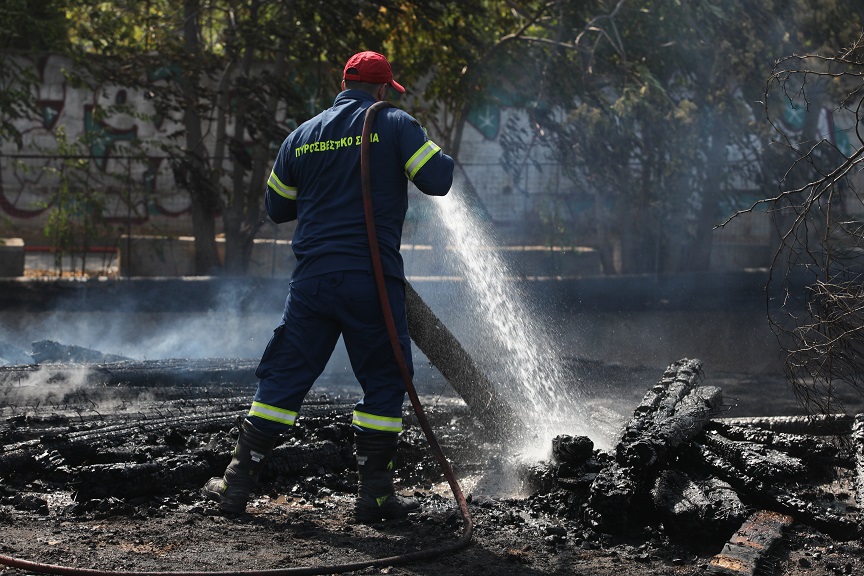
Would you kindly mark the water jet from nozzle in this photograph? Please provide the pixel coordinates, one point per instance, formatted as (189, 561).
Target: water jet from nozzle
(522, 359)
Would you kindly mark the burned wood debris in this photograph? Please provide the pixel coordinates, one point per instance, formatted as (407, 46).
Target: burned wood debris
(172, 445)
(130, 430)
(748, 551)
(50, 351)
(59, 364)
(678, 465)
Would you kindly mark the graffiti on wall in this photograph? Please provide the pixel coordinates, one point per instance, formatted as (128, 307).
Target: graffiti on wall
(137, 182)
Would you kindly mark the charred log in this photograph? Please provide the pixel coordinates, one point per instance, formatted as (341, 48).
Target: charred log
(690, 505)
(620, 494)
(814, 424)
(806, 447)
(660, 438)
(771, 495)
(447, 355)
(180, 373)
(315, 458)
(129, 479)
(636, 446)
(858, 445)
(83, 446)
(671, 432)
(760, 462)
(659, 402)
(49, 351)
(572, 450)
(611, 499)
(748, 551)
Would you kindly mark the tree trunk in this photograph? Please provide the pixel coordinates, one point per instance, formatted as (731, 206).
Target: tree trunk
(456, 365)
(690, 506)
(246, 216)
(204, 197)
(638, 228)
(697, 253)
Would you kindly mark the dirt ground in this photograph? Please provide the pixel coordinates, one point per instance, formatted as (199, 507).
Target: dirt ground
(69, 496)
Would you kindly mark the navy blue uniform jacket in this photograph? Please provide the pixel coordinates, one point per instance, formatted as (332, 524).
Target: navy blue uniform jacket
(316, 179)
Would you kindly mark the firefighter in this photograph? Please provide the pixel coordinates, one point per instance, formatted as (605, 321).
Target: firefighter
(316, 181)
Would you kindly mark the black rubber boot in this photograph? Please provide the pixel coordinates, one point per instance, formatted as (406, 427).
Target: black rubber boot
(377, 499)
(233, 489)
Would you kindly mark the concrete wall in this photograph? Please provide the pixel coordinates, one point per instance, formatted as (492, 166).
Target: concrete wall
(11, 257)
(156, 256)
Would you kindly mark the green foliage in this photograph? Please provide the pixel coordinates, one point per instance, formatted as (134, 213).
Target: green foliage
(445, 51)
(17, 86)
(26, 27)
(76, 216)
(32, 26)
(642, 103)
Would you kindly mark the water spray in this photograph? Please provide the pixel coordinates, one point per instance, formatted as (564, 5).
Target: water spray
(531, 376)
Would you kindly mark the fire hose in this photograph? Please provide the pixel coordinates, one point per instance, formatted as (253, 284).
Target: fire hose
(468, 528)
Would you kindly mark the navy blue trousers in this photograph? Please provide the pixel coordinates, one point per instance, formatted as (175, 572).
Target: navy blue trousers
(317, 311)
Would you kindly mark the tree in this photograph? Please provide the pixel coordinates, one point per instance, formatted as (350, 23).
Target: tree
(443, 49)
(818, 267)
(640, 103)
(186, 58)
(243, 61)
(26, 28)
(227, 69)
(218, 67)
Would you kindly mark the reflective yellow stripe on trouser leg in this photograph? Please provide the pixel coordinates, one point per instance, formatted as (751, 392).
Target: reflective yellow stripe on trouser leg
(273, 413)
(377, 423)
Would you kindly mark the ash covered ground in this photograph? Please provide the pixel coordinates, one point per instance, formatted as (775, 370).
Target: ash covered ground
(101, 469)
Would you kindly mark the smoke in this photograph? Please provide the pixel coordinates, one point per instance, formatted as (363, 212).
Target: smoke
(226, 332)
(44, 384)
(221, 319)
(64, 386)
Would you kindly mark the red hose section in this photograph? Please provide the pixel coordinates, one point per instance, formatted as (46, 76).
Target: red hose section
(468, 526)
(394, 337)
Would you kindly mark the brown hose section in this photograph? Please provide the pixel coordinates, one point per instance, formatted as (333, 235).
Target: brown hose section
(463, 541)
(365, 173)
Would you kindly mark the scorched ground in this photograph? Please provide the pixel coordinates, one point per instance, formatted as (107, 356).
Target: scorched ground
(101, 475)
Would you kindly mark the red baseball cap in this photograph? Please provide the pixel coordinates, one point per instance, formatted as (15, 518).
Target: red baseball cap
(370, 67)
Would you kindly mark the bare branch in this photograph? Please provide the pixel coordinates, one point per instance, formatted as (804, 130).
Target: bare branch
(820, 258)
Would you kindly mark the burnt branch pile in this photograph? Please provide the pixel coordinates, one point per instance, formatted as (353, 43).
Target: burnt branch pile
(677, 464)
(159, 449)
(111, 432)
(107, 440)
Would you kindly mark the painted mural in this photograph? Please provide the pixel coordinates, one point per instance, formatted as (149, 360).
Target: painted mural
(71, 142)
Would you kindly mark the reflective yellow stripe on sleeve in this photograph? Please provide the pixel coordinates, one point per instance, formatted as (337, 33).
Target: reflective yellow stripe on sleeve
(380, 423)
(419, 159)
(273, 413)
(288, 192)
